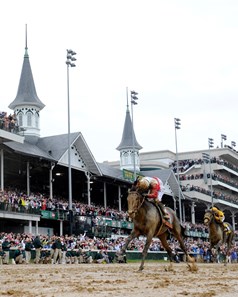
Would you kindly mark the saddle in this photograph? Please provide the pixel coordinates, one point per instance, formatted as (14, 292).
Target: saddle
(225, 226)
(165, 222)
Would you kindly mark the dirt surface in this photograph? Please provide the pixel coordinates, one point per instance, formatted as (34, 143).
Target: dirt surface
(114, 280)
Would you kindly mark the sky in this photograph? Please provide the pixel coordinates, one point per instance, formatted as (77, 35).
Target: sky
(181, 56)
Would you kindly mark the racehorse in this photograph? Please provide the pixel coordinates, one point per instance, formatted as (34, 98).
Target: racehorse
(148, 221)
(217, 235)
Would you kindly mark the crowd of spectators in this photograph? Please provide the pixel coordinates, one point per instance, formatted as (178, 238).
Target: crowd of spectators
(14, 200)
(219, 177)
(185, 165)
(79, 249)
(216, 194)
(8, 122)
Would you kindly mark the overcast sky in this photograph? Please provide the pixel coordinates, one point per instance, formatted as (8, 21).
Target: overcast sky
(180, 56)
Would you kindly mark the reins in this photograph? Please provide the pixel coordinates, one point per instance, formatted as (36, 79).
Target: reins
(141, 203)
(136, 211)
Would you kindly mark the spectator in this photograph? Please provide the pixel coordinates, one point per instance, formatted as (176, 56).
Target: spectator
(19, 255)
(102, 257)
(38, 246)
(57, 251)
(6, 248)
(2, 256)
(28, 247)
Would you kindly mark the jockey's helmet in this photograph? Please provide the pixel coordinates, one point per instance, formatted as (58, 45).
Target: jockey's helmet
(143, 185)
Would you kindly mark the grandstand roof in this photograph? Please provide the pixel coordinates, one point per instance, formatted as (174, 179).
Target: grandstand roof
(52, 148)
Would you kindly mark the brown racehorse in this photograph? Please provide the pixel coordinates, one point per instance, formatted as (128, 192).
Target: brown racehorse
(217, 235)
(147, 219)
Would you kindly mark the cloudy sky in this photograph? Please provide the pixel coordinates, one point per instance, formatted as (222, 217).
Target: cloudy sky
(180, 56)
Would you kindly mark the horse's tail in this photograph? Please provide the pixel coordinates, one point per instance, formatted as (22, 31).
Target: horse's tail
(183, 231)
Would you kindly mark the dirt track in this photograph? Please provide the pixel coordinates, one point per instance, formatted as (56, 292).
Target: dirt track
(115, 280)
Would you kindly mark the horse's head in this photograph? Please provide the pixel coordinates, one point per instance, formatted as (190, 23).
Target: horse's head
(134, 201)
(208, 216)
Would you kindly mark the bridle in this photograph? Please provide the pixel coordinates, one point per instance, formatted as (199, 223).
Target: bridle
(135, 211)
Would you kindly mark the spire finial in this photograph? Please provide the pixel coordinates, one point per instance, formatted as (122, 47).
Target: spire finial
(127, 104)
(26, 48)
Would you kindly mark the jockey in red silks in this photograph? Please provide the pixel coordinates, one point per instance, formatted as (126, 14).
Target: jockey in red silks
(153, 189)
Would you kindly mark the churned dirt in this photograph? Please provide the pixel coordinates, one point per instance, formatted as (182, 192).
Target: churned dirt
(114, 280)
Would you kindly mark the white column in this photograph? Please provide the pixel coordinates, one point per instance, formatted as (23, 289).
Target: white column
(30, 226)
(119, 198)
(233, 220)
(51, 181)
(2, 170)
(88, 175)
(175, 206)
(105, 194)
(193, 212)
(61, 227)
(28, 177)
(183, 207)
(37, 230)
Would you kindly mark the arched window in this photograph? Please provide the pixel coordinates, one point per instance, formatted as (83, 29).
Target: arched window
(29, 119)
(37, 119)
(125, 158)
(20, 119)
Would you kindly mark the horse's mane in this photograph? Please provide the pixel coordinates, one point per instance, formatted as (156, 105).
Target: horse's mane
(133, 188)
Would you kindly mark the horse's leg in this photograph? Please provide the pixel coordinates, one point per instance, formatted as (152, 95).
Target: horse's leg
(164, 242)
(229, 244)
(145, 250)
(227, 241)
(133, 235)
(182, 245)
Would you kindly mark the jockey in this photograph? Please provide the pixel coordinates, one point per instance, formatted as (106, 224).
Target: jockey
(152, 188)
(220, 217)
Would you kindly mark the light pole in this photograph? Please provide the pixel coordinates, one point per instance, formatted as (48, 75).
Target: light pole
(210, 145)
(177, 123)
(233, 144)
(70, 63)
(223, 137)
(134, 98)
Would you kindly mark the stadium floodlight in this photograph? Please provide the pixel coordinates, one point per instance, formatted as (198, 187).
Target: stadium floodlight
(177, 124)
(134, 98)
(69, 62)
(210, 143)
(223, 137)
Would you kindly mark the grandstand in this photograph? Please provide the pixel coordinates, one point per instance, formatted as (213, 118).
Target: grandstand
(200, 173)
(35, 166)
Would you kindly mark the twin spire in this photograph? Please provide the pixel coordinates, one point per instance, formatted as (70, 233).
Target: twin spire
(129, 146)
(27, 104)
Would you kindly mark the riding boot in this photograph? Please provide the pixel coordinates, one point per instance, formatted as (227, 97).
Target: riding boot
(226, 227)
(162, 207)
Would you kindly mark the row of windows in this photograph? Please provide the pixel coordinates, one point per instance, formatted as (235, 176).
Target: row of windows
(30, 117)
